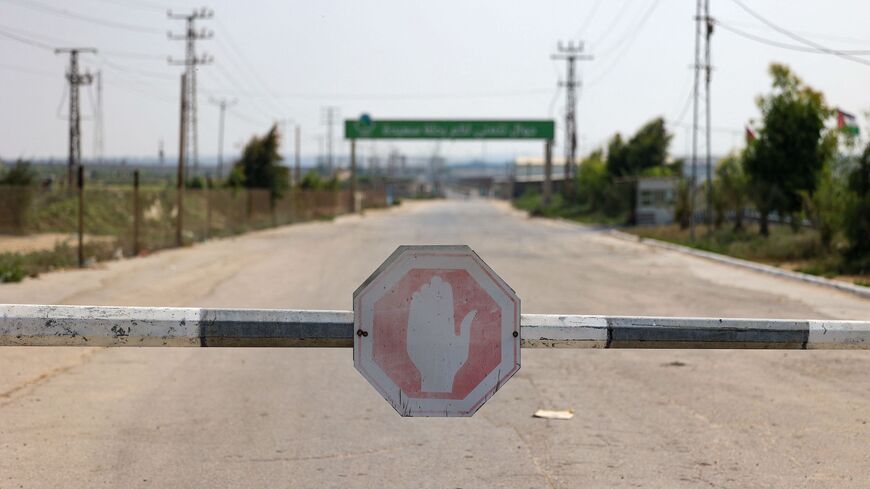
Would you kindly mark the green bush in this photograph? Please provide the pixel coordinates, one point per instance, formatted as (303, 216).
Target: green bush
(11, 268)
(857, 216)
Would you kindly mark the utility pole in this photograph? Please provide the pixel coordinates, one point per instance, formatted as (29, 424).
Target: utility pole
(547, 185)
(329, 114)
(570, 53)
(697, 68)
(708, 69)
(190, 62)
(182, 153)
(98, 119)
(297, 171)
(75, 80)
(223, 104)
(285, 138)
(321, 160)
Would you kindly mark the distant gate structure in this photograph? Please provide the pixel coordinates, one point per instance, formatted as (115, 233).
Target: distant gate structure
(426, 129)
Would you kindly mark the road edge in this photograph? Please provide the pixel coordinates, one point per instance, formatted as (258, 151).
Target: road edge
(858, 290)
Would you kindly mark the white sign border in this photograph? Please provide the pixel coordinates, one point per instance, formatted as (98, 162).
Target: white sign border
(404, 259)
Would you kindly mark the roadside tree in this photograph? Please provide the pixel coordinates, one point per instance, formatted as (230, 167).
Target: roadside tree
(259, 166)
(792, 146)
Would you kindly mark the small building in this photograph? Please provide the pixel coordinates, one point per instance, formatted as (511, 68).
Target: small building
(656, 197)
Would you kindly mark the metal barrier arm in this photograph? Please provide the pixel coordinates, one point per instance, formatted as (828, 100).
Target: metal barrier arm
(40, 325)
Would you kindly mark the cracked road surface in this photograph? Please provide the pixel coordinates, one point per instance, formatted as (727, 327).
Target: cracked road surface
(305, 418)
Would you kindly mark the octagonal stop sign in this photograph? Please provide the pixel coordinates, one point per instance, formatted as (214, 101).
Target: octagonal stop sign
(437, 331)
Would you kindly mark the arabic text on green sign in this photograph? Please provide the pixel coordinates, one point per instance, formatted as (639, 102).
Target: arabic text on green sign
(444, 129)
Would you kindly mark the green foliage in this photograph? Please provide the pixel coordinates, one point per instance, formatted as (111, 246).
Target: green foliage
(827, 205)
(593, 181)
(730, 190)
(11, 268)
(781, 246)
(791, 148)
(313, 181)
(197, 182)
(260, 165)
(16, 199)
(791, 169)
(602, 188)
(682, 209)
(14, 267)
(20, 174)
(597, 194)
(617, 157)
(857, 215)
(236, 178)
(646, 150)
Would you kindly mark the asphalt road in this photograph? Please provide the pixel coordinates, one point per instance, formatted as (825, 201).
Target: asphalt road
(305, 418)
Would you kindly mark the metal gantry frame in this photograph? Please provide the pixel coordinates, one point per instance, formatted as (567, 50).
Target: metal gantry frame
(106, 326)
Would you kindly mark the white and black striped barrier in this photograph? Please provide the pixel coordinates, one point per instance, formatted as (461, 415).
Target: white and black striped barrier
(434, 329)
(42, 325)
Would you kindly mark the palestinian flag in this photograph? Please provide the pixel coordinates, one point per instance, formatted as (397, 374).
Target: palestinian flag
(846, 122)
(750, 135)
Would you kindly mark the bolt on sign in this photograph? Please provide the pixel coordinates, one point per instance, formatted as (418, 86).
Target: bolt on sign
(367, 128)
(437, 331)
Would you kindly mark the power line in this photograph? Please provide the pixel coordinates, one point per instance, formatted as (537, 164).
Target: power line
(262, 119)
(631, 37)
(389, 97)
(721, 129)
(783, 45)
(250, 69)
(39, 6)
(45, 42)
(610, 27)
(589, 18)
(143, 88)
(223, 104)
(134, 55)
(555, 99)
(137, 71)
(228, 75)
(631, 34)
(28, 71)
(24, 40)
(248, 119)
(819, 35)
(798, 38)
(685, 108)
(136, 4)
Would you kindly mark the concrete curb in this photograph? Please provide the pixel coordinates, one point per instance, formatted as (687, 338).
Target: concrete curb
(737, 262)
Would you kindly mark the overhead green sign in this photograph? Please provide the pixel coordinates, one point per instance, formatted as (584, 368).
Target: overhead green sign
(367, 128)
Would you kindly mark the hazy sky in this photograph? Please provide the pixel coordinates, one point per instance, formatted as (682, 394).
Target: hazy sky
(398, 58)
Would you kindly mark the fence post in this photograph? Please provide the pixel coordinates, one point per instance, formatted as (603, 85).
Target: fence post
(81, 216)
(353, 180)
(136, 213)
(208, 184)
(249, 207)
(547, 186)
